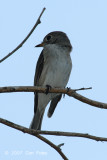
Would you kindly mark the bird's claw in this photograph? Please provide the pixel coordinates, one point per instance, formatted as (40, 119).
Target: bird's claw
(68, 88)
(48, 87)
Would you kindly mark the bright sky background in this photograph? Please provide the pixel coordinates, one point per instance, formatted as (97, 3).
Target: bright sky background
(85, 22)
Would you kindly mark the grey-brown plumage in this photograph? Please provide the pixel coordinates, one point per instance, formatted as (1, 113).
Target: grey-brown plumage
(53, 105)
(53, 68)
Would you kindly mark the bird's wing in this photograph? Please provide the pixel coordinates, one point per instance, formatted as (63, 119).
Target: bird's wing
(39, 68)
(53, 105)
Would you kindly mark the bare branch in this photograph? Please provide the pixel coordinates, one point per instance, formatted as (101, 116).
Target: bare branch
(69, 92)
(20, 45)
(73, 134)
(33, 133)
(55, 133)
(60, 145)
(81, 89)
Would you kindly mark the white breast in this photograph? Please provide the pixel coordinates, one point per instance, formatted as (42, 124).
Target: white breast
(57, 66)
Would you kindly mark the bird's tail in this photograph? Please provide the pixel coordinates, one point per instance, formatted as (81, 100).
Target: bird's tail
(36, 121)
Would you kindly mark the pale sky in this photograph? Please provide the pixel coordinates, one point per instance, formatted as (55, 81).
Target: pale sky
(85, 23)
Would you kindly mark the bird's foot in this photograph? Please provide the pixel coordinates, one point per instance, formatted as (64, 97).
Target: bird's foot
(48, 87)
(68, 88)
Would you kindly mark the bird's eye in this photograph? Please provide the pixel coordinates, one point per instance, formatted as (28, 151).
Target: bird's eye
(48, 38)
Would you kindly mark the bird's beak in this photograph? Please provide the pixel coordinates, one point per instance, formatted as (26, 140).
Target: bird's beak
(40, 45)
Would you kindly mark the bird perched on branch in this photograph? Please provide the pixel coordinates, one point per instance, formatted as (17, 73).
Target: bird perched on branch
(53, 69)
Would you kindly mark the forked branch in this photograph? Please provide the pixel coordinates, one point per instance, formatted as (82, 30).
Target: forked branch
(69, 92)
(56, 133)
(34, 133)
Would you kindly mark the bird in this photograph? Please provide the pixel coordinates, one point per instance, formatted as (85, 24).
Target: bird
(53, 69)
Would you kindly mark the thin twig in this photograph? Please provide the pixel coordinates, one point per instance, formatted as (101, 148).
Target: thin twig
(73, 134)
(80, 89)
(34, 133)
(20, 45)
(69, 92)
(60, 145)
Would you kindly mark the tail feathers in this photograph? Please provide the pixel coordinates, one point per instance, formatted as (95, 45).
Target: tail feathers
(36, 121)
(53, 105)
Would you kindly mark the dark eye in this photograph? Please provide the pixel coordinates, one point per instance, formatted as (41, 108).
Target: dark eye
(48, 38)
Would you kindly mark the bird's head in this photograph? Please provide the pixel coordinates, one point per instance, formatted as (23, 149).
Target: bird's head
(56, 37)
